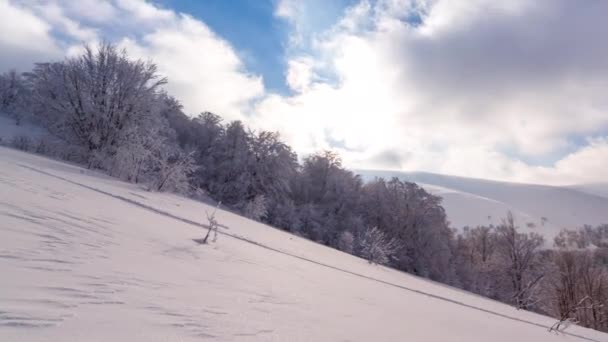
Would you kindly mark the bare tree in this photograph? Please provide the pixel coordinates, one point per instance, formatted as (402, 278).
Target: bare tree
(212, 224)
(578, 289)
(519, 252)
(568, 317)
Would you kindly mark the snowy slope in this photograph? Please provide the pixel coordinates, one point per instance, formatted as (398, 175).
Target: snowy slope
(86, 258)
(597, 189)
(472, 202)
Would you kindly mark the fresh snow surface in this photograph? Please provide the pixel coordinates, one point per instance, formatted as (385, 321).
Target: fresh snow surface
(84, 257)
(597, 189)
(472, 202)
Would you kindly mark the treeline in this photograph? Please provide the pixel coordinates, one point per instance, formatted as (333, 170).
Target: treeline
(109, 112)
(568, 281)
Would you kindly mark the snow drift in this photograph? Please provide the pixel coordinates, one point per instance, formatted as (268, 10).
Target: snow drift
(85, 257)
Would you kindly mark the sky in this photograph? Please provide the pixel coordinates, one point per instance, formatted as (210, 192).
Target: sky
(510, 90)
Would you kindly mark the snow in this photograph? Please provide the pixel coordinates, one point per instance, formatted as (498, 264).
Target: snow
(472, 202)
(86, 257)
(597, 189)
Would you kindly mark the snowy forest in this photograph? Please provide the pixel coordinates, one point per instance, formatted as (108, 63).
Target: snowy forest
(109, 112)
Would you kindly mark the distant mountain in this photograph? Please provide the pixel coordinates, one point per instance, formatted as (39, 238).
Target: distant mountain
(598, 189)
(541, 208)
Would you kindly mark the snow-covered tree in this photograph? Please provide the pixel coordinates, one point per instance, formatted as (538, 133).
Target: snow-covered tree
(328, 196)
(416, 219)
(174, 170)
(521, 261)
(13, 95)
(91, 99)
(377, 247)
(577, 288)
(256, 208)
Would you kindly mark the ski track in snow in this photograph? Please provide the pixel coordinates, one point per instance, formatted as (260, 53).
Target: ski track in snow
(61, 235)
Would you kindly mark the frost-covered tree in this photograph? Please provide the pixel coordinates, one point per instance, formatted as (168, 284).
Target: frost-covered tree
(377, 247)
(256, 208)
(521, 261)
(272, 167)
(577, 289)
(228, 178)
(475, 262)
(416, 219)
(328, 197)
(93, 98)
(174, 168)
(13, 95)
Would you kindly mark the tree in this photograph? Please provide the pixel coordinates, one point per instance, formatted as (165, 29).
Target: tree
(377, 247)
(416, 219)
(212, 226)
(328, 197)
(577, 290)
(272, 167)
(13, 95)
(174, 169)
(519, 253)
(228, 178)
(92, 99)
(476, 262)
(256, 208)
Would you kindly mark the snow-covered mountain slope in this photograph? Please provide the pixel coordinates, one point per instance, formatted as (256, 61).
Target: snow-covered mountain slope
(84, 257)
(597, 189)
(472, 202)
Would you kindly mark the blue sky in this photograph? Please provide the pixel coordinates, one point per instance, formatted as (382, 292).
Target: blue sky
(251, 26)
(259, 36)
(489, 89)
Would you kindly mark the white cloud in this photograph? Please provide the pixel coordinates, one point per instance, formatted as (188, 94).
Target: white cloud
(56, 17)
(144, 11)
(25, 38)
(300, 73)
(587, 165)
(450, 92)
(97, 11)
(204, 70)
(438, 85)
(287, 9)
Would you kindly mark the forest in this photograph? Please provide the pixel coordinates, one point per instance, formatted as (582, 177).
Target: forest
(109, 112)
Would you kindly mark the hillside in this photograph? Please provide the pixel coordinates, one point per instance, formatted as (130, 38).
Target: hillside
(470, 201)
(85, 257)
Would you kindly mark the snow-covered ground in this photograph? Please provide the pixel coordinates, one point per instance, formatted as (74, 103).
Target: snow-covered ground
(473, 202)
(87, 258)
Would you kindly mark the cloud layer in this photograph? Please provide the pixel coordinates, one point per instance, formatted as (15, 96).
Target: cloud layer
(471, 88)
(511, 90)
